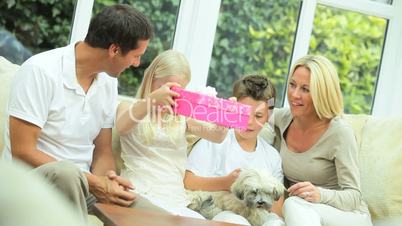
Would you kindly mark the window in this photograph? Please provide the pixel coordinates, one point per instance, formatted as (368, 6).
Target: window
(30, 27)
(383, 1)
(354, 42)
(162, 14)
(253, 37)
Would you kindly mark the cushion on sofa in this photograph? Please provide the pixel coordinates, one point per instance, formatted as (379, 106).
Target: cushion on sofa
(7, 70)
(357, 122)
(380, 163)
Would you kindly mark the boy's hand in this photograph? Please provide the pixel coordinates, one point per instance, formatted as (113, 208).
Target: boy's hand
(231, 178)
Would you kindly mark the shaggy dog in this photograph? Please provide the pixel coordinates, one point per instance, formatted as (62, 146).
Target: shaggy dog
(251, 196)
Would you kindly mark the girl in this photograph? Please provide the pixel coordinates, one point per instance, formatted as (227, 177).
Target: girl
(153, 141)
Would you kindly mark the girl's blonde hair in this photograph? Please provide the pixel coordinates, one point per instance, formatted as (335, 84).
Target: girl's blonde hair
(324, 85)
(168, 63)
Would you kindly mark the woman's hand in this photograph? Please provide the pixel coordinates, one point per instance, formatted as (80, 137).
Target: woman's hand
(305, 190)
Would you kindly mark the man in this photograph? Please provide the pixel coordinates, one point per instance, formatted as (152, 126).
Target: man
(62, 107)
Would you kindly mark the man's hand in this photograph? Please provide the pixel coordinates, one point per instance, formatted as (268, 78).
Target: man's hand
(114, 190)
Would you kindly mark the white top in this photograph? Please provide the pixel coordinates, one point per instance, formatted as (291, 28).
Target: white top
(209, 159)
(45, 92)
(157, 169)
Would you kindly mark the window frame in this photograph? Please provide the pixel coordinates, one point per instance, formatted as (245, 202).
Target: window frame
(197, 22)
(385, 97)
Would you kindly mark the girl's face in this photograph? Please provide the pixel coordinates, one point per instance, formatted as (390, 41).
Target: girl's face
(299, 96)
(158, 82)
(258, 117)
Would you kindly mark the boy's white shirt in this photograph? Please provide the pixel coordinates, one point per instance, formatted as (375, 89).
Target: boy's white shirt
(210, 159)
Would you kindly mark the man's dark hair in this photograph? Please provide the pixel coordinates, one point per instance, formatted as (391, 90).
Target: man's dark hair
(257, 87)
(119, 24)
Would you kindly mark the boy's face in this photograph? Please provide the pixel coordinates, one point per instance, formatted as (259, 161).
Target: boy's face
(258, 117)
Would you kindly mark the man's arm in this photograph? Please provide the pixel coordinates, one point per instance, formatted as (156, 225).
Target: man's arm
(102, 160)
(23, 139)
(103, 183)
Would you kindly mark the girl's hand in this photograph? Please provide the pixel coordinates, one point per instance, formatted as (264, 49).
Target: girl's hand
(305, 190)
(163, 96)
(233, 99)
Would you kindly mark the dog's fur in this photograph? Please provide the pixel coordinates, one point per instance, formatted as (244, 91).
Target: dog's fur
(251, 196)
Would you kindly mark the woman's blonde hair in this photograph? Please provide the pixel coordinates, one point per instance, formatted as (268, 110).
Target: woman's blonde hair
(324, 85)
(168, 63)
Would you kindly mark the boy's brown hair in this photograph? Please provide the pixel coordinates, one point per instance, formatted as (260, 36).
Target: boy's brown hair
(257, 87)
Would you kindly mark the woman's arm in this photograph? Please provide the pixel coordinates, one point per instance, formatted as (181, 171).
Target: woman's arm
(223, 183)
(206, 131)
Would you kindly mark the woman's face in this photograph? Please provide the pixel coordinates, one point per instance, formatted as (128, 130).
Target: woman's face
(299, 96)
(158, 82)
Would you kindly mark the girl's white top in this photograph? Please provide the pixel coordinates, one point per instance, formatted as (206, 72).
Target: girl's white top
(156, 170)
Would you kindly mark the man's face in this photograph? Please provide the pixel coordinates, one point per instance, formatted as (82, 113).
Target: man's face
(120, 62)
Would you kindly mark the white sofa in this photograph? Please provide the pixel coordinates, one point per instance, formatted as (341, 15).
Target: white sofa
(380, 154)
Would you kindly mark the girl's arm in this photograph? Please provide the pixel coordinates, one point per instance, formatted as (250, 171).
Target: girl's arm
(207, 131)
(130, 114)
(223, 183)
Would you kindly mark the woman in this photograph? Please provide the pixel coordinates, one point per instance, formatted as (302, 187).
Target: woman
(319, 150)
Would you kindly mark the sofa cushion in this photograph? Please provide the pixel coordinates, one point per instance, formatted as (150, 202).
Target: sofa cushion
(380, 163)
(357, 122)
(7, 70)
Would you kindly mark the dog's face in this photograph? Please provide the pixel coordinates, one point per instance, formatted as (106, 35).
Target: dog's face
(258, 189)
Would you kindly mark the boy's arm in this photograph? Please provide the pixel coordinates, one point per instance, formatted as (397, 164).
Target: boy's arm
(277, 206)
(223, 183)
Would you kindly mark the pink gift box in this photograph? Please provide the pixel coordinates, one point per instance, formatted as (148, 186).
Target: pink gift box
(211, 109)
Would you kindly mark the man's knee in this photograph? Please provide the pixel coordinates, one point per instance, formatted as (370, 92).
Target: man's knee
(62, 174)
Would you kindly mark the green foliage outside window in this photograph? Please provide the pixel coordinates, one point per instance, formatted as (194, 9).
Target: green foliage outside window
(253, 37)
(354, 42)
(40, 25)
(162, 14)
(260, 42)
